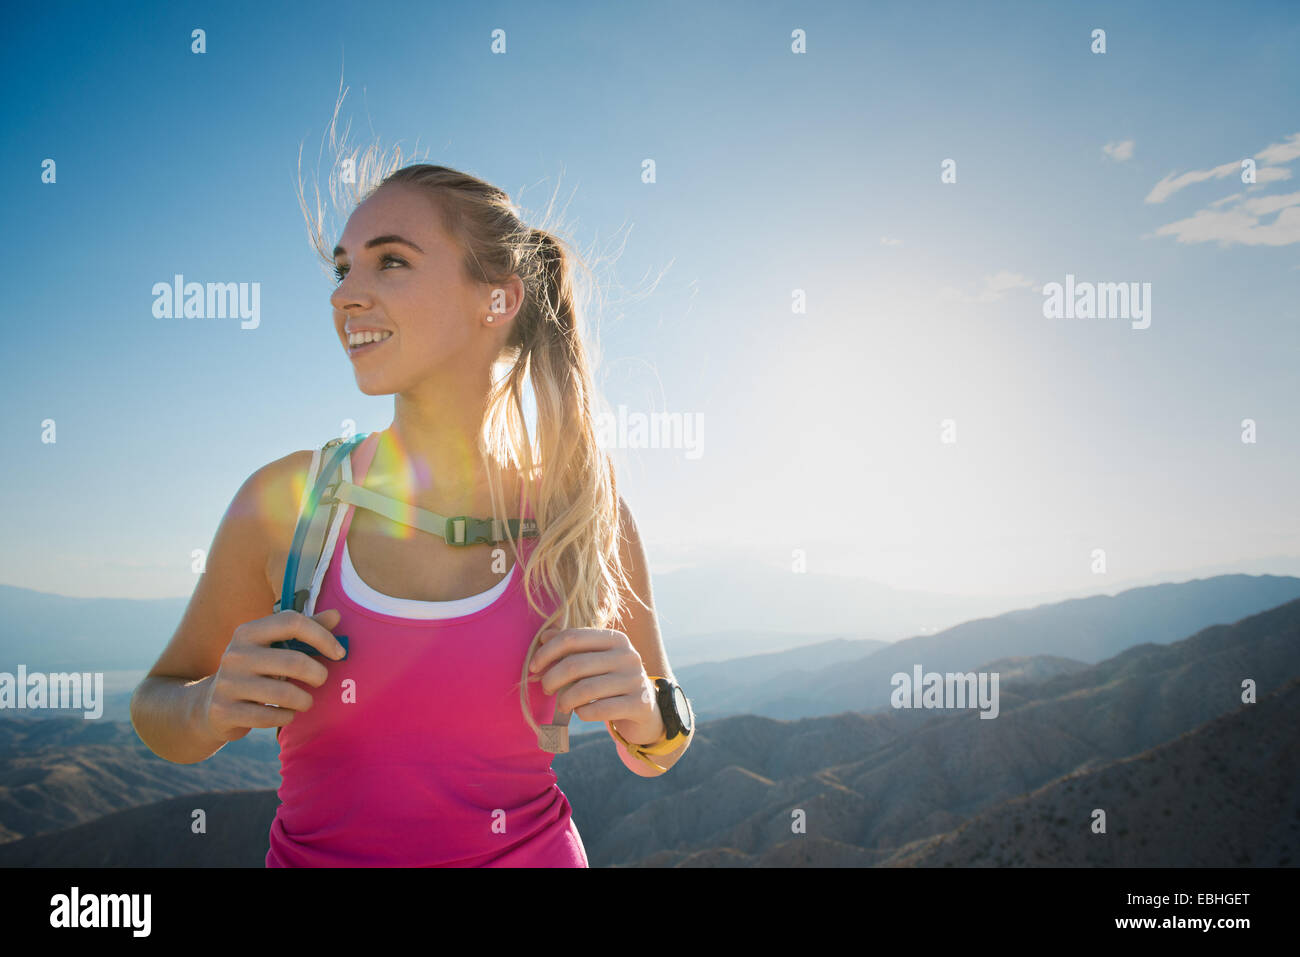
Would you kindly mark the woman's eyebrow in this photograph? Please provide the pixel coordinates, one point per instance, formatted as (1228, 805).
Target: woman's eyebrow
(380, 241)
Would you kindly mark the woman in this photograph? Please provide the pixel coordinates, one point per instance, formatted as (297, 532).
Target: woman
(412, 751)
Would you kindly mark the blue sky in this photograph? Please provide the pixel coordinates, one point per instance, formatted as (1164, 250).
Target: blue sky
(776, 172)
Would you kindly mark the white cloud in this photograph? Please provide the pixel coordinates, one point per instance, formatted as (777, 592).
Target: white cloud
(1238, 218)
(1265, 159)
(1172, 184)
(1263, 205)
(1240, 225)
(1119, 151)
(1227, 199)
(1280, 152)
(886, 241)
(1271, 174)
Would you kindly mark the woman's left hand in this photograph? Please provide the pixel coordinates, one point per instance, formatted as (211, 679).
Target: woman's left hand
(606, 680)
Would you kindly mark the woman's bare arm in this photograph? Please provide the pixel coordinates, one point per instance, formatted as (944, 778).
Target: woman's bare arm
(168, 708)
(641, 625)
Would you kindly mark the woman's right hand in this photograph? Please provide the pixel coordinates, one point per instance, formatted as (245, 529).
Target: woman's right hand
(249, 689)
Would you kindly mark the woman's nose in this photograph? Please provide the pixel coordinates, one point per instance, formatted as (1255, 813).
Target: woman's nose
(348, 292)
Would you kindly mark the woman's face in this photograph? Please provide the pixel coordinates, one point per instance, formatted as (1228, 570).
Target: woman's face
(412, 287)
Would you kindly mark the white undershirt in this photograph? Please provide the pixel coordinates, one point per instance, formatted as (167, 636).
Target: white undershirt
(365, 596)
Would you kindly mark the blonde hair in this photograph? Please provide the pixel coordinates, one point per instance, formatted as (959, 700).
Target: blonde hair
(577, 505)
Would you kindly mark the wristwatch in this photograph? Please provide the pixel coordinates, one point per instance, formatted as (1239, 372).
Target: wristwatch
(676, 711)
(678, 718)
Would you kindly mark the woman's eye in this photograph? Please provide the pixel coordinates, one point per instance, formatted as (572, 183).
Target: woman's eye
(340, 271)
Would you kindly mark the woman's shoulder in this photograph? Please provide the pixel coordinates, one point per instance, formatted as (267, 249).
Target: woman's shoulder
(274, 492)
(285, 479)
(282, 481)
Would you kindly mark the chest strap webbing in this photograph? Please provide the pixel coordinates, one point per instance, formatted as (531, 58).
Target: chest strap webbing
(457, 530)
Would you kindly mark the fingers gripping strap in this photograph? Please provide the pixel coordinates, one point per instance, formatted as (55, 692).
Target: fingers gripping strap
(553, 737)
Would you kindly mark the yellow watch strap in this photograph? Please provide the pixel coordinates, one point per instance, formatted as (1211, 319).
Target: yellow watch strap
(637, 751)
(664, 745)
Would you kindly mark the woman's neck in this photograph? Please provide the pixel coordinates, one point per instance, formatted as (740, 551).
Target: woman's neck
(447, 482)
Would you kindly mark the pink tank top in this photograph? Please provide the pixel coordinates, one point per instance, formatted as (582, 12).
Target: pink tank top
(432, 764)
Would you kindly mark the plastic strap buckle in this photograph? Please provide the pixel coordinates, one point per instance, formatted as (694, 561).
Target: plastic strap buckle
(466, 530)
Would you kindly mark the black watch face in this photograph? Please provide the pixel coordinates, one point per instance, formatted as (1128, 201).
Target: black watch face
(683, 710)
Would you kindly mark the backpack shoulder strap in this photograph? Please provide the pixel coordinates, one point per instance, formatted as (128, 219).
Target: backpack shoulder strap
(327, 528)
(330, 464)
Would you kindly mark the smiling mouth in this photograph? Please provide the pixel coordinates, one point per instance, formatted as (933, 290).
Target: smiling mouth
(367, 346)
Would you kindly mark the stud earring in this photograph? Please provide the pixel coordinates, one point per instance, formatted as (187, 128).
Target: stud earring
(489, 318)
